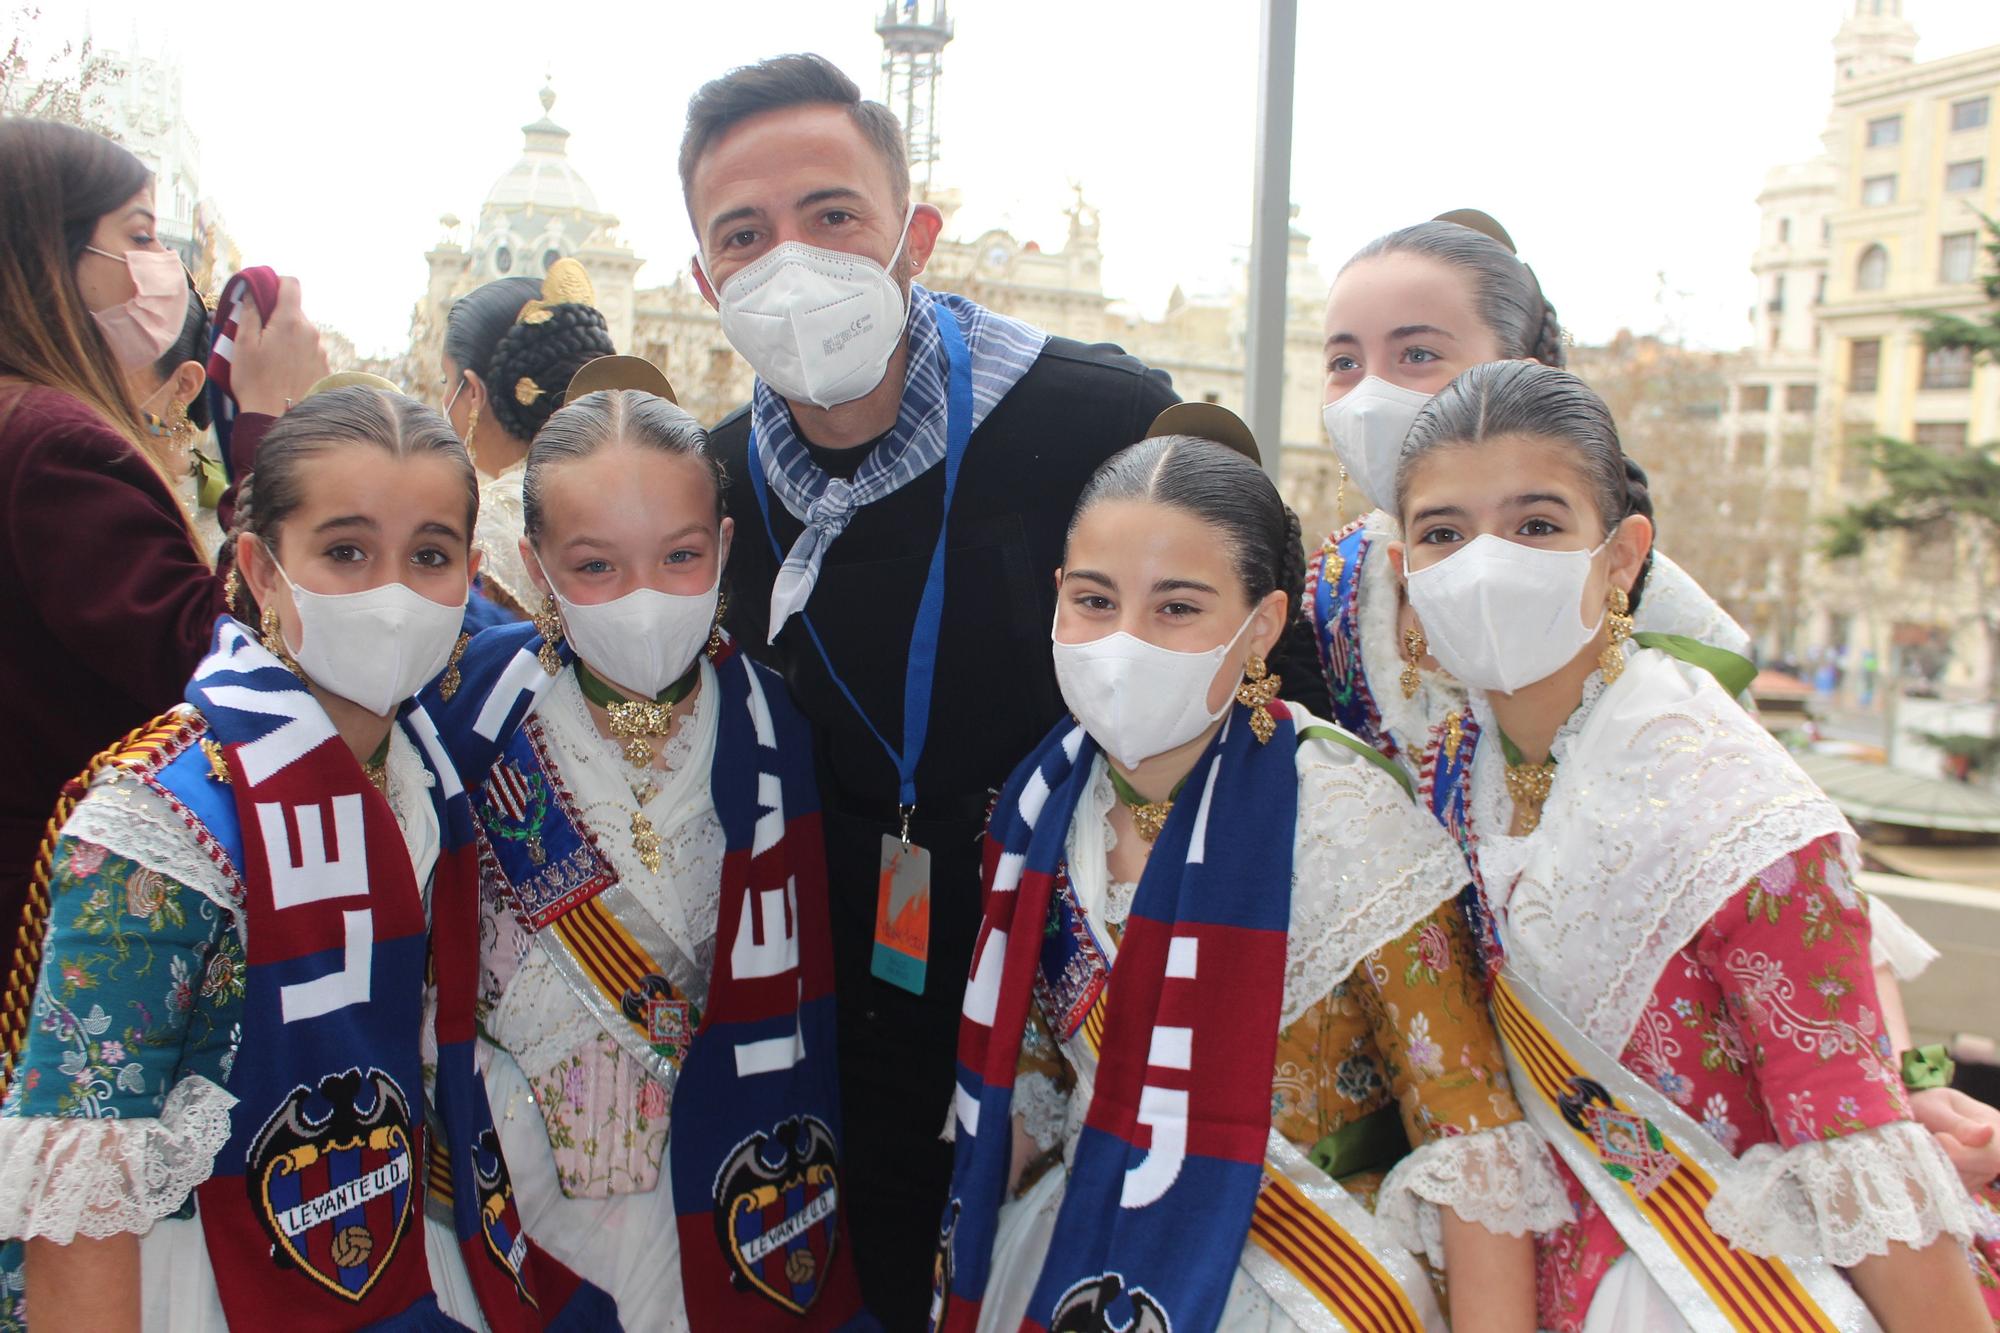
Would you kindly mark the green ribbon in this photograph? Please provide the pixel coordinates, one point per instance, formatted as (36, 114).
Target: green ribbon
(211, 481)
(1927, 1067)
(1366, 751)
(605, 695)
(1129, 794)
(1732, 671)
(1375, 1142)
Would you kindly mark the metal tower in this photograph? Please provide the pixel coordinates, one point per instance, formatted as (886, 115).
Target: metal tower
(911, 48)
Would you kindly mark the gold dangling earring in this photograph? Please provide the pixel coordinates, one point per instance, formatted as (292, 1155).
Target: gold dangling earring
(1258, 689)
(714, 649)
(274, 640)
(1618, 619)
(1415, 645)
(549, 623)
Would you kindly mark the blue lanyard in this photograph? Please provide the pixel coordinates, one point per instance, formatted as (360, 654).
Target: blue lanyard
(930, 607)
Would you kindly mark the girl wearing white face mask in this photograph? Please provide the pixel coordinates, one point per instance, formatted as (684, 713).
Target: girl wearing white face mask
(240, 909)
(1407, 313)
(655, 991)
(1685, 959)
(1220, 949)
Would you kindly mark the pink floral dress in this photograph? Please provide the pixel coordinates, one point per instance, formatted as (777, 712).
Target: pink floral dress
(1765, 1028)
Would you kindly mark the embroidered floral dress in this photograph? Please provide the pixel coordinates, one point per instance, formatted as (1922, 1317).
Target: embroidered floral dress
(1388, 1073)
(583, 1123)
(1762, 1024)
(120, 1102)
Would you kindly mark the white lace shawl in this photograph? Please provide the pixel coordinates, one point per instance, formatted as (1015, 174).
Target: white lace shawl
(1367, 864)
(1673, 603)
(61, 1177)
(539, 1018)
(497, 535)
(1668, 798)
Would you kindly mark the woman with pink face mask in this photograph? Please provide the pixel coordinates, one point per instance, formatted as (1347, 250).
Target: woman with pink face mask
(108, 597)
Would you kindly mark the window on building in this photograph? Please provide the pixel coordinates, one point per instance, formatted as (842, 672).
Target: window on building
(1784, 231)
(1778, 295)
(1878, 190)
(1872, 273)
(1864, 365)
(503, 259)
(1947, 368)
(1934, 541)
(1945, 436)
(1745, 450)
(1885, 131)
(1753, 398)
(1819, 292)
(1795, 449)
(1211, 397)
(1958, 257)
(549, 258)
(1801, 397)
(1969, 114)
(1825, 230)
(1961, 176)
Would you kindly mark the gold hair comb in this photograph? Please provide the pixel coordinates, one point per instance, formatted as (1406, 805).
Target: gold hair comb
(566, 284)
(526, 391)
(619, 372)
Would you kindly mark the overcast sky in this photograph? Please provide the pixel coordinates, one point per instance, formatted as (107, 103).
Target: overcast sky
(1616, 140)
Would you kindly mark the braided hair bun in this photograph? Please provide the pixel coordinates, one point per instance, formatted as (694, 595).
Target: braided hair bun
(533, 363)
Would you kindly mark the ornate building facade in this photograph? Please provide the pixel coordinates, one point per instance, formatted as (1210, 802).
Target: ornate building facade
(1855, 244)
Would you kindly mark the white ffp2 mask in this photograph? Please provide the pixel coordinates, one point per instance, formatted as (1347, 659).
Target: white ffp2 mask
(375, 648)
(819, 326)
(1499, 615)
(643, 641)
(1137, 699)
(1367, 427)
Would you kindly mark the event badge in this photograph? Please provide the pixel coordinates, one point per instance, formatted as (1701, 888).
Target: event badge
(903, 915)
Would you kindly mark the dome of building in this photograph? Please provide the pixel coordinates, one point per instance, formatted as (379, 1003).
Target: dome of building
(543, 179)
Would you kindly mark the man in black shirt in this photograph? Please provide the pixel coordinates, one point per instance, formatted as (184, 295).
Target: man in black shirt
(902, 483)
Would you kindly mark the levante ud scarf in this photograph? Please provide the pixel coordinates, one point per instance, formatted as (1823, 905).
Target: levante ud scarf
(755, 1137)
(1166, 1173)
(313, 1216)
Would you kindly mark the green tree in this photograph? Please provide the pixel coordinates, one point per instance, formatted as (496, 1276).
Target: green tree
(1940, 490)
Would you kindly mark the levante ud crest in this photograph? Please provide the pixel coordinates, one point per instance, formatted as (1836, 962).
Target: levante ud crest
(335, 1191)
(777, 1212)
(1087, 1308)
(499, 1220)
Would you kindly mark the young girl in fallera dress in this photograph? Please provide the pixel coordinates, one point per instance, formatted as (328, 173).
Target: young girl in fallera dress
(1686, 998)
(1223, 929)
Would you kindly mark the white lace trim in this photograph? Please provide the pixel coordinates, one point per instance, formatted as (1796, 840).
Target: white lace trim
(1893, 943)
(1668, 799)
(1844, 1198)
(1043, 1108)
(1368, 864)
(1502, 1179)
(539, 1020)
(61, 1178)
(685, 894)
(129, 819)
(497, 535)
(1673, 603)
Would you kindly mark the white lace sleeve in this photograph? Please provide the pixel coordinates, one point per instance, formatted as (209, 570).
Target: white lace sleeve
(1367, 864)
(61, 1178)
(1503, 1179)
(1894, 945)
(1844, 1198)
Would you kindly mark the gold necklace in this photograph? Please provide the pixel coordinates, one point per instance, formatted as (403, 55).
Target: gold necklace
(637, 721)
(376, 767)
(1527, 784)
(1148, 817)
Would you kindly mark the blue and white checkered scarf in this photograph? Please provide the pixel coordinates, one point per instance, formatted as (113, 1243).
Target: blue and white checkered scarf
(1001, 350)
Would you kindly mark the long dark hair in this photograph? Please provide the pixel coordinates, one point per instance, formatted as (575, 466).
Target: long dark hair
(332, 419)
(1511, 398)
(60, 180)
(1223, 489)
